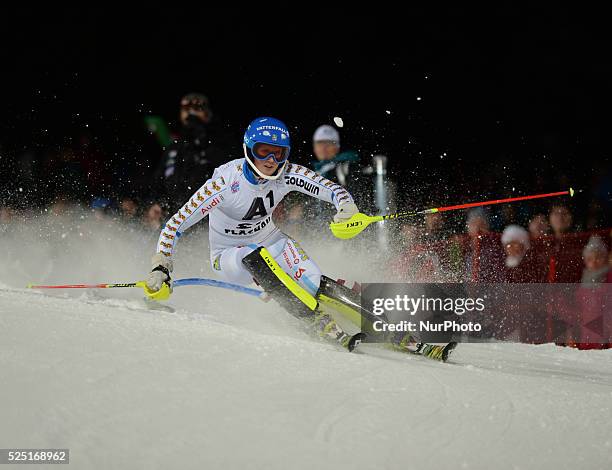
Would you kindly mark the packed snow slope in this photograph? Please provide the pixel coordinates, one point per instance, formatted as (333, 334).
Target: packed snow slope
(227, 381)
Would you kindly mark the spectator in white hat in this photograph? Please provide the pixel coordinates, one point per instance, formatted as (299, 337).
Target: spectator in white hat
(326, 142)
(523, 264)
(340, 167)
(595, 256)
(515, 240)
(593, 298)
(331, 163)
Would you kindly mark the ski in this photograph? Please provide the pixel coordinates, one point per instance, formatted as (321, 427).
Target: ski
(355, 341)
(439, 352)
(410, 344)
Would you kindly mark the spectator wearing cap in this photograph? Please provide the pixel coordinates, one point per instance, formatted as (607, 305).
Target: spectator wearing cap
(342, 167)
(596, 267)
(101, 207)
(331, 163)
(515, 240)
(191, 158)
(523, 316)
(594, 297)
(523, 265)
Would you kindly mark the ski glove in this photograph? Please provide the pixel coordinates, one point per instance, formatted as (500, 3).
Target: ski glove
(160, 272)
(345, 212)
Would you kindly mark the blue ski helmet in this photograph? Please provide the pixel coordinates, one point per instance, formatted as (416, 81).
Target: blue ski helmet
(271, 131)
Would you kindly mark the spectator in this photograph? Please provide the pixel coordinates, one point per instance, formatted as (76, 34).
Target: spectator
(128, 208)
(101, 207)
(523, 264)
(564, 250)
(341, 167)
(152, 218)
(429, 249)
(515, 241)
(522, 317)
(434, 227)
(596, 267)
(190, 160)
(538, 226)
(477, 223)
(560, 220)
(331, 163)
(483, 258)
(593, 299)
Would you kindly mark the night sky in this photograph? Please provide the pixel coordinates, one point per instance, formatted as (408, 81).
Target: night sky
(465, 102)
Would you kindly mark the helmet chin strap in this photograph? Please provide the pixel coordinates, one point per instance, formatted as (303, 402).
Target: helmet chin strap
(279, 170)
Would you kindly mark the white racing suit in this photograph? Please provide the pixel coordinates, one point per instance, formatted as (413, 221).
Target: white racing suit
(240, 207)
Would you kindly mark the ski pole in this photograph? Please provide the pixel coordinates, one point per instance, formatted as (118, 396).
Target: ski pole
(83, 286)
(141, 284)
(356, 224)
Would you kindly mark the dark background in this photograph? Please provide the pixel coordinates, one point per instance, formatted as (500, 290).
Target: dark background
(510, 97)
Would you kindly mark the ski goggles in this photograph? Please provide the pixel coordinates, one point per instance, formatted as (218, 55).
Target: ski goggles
(262, 151)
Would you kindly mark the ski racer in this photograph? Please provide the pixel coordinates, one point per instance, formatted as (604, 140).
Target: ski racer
(246, 246)
(239, 200)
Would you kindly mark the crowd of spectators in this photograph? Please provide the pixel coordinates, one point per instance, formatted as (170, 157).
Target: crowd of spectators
(508, 244)
(142, 191)
(548, 250)
(170, 162)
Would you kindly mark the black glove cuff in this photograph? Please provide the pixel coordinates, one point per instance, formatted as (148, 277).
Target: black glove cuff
(163, 269)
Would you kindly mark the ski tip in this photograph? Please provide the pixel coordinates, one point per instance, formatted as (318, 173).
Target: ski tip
(29, 286)
(571, 192)
(355, 341)
(448, 349)
(264, 296)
